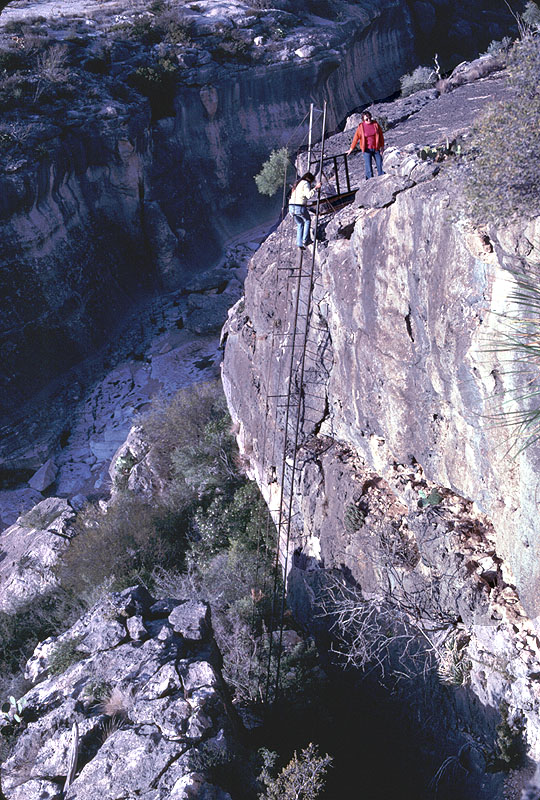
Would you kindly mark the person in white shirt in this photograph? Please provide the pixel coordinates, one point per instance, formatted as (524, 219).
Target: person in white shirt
(302, 191)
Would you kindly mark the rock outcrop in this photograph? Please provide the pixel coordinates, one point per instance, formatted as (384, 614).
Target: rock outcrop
(136, 683)
(403, 480)
(29, 551)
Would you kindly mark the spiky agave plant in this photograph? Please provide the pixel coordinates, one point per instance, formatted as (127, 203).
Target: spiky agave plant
(517, 344)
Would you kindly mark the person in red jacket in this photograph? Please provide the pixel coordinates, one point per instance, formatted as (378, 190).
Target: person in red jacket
(370, 137)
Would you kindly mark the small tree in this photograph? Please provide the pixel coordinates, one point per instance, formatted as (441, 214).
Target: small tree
(301, 779)
(273, 173)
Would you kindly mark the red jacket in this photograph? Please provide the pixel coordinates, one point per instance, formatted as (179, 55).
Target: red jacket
(359, 136)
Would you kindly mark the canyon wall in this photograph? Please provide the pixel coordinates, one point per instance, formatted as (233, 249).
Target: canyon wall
(121, 206)
(407, 478)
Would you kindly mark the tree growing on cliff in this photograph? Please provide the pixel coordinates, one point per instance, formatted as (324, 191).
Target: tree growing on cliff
(504, 157)
(274, 172)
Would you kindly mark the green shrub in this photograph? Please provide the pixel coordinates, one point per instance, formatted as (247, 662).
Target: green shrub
(157, 82)
(509, 747)
(301, 779)
(516, 346)
(142, 29)
(125, 542)
(226, 519)
(194, 452)
(233, 47)
(191, 441)
(503, 177)
(64, 656)
(43, 617)
(13, 89)
(12, 60)
(501, 47)
(123, 467)
(273, 174)
(420, 78)
(355, 516)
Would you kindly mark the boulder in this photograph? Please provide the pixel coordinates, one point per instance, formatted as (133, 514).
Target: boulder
(14, 502)
(207, 313)
(44, 477)
(211, 279)
(30, 551)
(191, 620)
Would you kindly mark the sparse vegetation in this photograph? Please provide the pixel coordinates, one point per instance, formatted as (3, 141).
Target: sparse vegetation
(434, 498)
(355, 516)
(503, 178)
(509, 746)
(12, 709)
(440, 153)
(124, 542)
(302, 778)
(157, 82)
(498, 48)
(64, 656)
(531, 14)
(20, 632)
(516, 346)
(454, 667)
(420, 78)
(232, 47)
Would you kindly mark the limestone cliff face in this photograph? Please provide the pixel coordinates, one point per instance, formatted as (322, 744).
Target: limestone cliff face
(403, 475)
(121, 205)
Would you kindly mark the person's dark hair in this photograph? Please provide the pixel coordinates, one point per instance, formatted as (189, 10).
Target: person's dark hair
(307, 176)
(367, 114)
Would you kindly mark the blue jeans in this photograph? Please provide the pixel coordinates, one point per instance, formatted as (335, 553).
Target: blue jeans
(303, 221)
(368, 155)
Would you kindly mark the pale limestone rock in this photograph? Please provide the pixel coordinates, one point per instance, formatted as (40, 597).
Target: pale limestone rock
(156, 733)
(191, 620)
(31, 549)
(44, 477)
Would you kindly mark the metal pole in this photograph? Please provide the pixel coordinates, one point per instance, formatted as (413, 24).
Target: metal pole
(310, 135)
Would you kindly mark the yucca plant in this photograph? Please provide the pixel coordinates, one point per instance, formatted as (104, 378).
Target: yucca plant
(517, 344)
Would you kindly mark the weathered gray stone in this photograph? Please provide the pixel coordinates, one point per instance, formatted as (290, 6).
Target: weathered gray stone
(128, 761)
(42, 789)
(397, 440)
(162, 608)
(165, 681)
(191, 619)
(171, 716)
(14, 503)
(197, 675)
(207, 313)
(44, 477)
(138, 727)
(136, 628)
(212, 279)
(31, 549)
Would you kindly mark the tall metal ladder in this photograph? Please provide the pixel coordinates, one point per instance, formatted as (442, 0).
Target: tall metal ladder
(293, 399)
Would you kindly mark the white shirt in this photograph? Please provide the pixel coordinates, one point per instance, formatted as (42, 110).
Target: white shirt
(301, 194)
